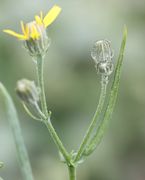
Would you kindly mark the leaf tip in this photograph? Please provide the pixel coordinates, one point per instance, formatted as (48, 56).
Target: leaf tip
(125, 31)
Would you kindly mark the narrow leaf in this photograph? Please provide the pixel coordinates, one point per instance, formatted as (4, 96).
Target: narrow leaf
(10, 113)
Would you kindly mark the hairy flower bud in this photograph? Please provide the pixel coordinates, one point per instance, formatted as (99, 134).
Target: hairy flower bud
(105, 68)
(102, 54)
(38, 42)
(27, 91)
(102, 51)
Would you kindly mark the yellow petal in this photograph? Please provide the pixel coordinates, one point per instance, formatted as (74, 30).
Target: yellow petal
(51, 15)
(34, 33)
(27, 31)
(38, 20)
(41, 15)
(23, 28)
(12, 33)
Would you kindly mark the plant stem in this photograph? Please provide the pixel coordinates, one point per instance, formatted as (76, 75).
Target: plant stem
(113, 94)
(46, 120)
(12, 116)
(72, 172)
(40, 63)
(57, 140)
(93, 122)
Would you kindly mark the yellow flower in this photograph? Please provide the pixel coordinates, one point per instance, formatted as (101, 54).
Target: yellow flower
(36, 28)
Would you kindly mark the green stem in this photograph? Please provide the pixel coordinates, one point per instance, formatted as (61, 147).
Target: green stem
(72, 172)
(93, 122)
(45, 111)
(57, 140)
(113, 94)
(40, 63)
(11, 115)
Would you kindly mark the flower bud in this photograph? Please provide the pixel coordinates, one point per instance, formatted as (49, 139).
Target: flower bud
(27, 91)
(105, 68)
(102, 55)
(102, 51)
(38, 42)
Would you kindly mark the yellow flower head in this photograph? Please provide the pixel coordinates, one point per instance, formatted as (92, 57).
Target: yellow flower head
(36, 28)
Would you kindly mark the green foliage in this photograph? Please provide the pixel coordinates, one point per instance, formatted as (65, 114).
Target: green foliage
(11, 115)
(112, 100)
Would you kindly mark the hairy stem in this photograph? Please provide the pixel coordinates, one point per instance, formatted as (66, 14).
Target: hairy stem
(113, 94)
(57, 140)
(40, 63)
(93, 122)
(72, 172)
(46, 120)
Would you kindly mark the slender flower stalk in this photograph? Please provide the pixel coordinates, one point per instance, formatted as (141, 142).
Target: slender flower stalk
(58, 142)
(113, 95)
(47, 120)
(40, 79)
(102, 56)
(93, 123)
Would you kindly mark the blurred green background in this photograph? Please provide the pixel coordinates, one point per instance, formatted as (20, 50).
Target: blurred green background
(72, 88)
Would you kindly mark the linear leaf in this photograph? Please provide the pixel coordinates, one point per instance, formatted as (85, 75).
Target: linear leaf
(11, 114)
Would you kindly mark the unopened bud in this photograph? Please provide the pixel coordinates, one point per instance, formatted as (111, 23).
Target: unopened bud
(38, 42)
(102, 51)
(105, 68)
(27, 91)
(102, 54)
